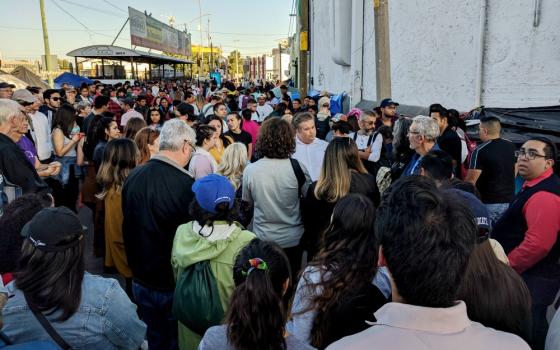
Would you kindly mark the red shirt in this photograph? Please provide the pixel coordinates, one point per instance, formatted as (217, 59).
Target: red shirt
(542, 214)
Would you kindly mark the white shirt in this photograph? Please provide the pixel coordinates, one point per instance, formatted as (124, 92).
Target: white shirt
(375, 147)
(264, 111)
(311, 156)
(405, 326)
(41, 134)
(196, 110)
(129, 115)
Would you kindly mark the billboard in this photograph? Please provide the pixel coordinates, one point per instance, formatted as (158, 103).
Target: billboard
(148, 32)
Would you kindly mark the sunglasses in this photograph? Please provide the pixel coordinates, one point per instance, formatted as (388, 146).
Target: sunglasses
(55, 98)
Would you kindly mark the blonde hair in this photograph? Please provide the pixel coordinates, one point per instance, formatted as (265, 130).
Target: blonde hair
(233, 163)
(341, 157)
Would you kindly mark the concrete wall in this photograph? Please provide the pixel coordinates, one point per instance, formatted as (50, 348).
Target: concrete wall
(434, 53)
(326, 74)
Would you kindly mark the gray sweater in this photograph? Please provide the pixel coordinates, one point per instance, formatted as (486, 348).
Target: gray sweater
(215, 338)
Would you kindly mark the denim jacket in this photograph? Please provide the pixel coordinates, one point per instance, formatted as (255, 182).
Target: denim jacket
(106, 318)
(66, 163)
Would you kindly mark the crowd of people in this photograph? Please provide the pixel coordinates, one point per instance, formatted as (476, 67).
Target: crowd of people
(248, 218)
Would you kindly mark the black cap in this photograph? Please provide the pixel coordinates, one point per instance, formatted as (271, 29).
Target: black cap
(185, 109)
(387, 102)
(4, 85)
(49, 229)
(129, 102)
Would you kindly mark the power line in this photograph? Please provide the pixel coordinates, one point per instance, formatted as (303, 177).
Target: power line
(114, 6)
(69, 14)
(58, 30)
(92, 8)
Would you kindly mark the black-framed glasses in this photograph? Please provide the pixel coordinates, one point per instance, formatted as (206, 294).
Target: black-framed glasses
(193, 147)
(530, 154)
(55, 98)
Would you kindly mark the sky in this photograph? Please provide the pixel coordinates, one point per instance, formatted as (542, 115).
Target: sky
(252, 26)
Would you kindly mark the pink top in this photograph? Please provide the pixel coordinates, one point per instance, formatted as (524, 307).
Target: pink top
(252, 127)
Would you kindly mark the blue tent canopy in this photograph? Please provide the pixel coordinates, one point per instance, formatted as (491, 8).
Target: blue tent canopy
(71, 79)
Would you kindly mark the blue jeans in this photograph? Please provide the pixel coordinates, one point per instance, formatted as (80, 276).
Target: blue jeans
(155, 310)
(496, 210)
(543, 292)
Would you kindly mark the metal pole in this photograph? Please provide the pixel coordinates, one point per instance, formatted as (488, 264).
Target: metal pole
(280, 62)
(119, 33)
(201, 52)
(303, 14)
(48, 63)
(102, 68)
(131, 67)
(76, 64)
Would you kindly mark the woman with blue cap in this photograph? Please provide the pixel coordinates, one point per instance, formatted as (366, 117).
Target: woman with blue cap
(212, 238)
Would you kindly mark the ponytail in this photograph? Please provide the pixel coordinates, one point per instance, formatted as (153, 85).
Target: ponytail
(256, 315)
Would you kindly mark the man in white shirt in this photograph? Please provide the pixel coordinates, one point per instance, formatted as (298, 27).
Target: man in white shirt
(426, 239)
(263, 109)
(368, 142)
(310, 150)
(129, 112)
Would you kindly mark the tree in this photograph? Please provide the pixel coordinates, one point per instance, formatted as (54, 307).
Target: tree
(234, 59)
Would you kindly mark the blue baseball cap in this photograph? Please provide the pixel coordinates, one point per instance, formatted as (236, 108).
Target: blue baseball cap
(213, 189)
(478, 209)
(387, 102)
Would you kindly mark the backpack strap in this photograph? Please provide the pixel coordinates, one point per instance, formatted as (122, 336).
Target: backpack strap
(47, 326)
(299, 174)
(355, 136)
(370, 139)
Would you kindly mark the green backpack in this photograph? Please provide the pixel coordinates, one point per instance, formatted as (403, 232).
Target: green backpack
(196, 302)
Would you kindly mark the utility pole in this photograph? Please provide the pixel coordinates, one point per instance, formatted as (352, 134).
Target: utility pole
(382, 49)
(303, 60)
(236, 59)
(280, 62)
(211, 65)
(201, 45)
(48, 63)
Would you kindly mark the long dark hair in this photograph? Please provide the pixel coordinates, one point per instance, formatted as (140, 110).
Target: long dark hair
(204, 132)
(223, 137)
(16, 215)
(133, 126)
(495, 294)
(347, 261)
(52, 281)
(256, 315)
(149, 116)
(401, 145)
(64, 119)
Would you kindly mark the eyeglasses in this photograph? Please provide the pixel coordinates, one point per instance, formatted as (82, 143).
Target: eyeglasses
(193, 147)
(530, 154)
(55, 98)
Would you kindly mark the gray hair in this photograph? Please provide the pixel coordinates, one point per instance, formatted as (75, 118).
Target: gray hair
(174, 134)
(8, 109)
(426, 127)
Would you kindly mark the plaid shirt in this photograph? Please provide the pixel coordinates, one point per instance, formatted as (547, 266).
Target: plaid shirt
(115, 108)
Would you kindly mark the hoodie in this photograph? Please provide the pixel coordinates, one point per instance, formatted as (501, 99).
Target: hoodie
(220, 245)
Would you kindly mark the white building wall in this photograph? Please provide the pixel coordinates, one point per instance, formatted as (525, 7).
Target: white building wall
(369, 87)
(326, 74)
(434, 53)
